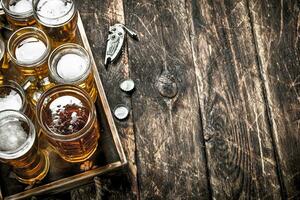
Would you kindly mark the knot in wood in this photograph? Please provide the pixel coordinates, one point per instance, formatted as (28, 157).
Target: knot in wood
(167, 86)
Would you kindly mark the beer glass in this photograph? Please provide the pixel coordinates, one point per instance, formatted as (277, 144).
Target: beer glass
(68, 119)
(19, 147)
(28, 49)
(19, 13)
(58, 19)
(12, 97)
(70, 64)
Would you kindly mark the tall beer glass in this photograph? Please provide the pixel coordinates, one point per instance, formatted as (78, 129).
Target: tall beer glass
(70, 64)
(19, 147)
(19, 13)
(58, 19)
(28, 49)
(67, 117)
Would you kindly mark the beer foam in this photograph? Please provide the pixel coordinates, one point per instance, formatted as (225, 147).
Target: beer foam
(12, 134)
(12, 100)
(30, 50)
(55, 12)
(71, 67)
(20, 6)
(59, 104)
(68, 115)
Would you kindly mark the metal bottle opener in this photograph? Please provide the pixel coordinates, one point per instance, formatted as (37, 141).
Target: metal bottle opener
(115, 41)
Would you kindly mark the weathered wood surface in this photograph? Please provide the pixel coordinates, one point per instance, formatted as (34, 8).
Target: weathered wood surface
(237, 135)
(97, 17)
(276, 27)
(170, 151)
(215, 114)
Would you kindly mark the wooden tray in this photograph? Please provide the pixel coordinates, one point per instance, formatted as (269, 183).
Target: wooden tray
(62, 175)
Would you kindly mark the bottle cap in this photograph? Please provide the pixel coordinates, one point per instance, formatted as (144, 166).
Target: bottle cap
(121, 112)
(127, 86)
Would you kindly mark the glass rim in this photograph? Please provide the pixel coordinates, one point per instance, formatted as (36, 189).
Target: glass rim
(16, 15)
(27, 145)
(31, 31)
(18, 87)
(36, 15)
(63, 88)
(2, 47)
(53, 68)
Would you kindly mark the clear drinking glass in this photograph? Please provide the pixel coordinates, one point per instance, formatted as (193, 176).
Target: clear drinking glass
(71, 64)
(19, 147)
(19, 13)
(58, 19)
(28, 49)
(67, 116)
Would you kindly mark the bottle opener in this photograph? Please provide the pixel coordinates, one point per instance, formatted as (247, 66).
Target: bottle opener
(115, 41)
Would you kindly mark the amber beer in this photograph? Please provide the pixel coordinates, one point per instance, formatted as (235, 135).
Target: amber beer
(71, 64)
(67, 117)
(28, 49)
(19, 13)
(58, 19)
(19, 147)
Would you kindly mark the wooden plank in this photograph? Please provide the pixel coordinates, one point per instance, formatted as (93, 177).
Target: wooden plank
(97, 17)
(171, 160)
(237, 134)
(277, 34)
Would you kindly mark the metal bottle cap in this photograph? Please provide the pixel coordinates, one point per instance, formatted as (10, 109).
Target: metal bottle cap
(121, 112)
(127, 86)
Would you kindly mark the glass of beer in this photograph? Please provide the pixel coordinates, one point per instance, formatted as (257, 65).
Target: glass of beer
(67, 117)
(19, 147)
(58, 19)
(12, 97)
(71, 64)
(19, 13)
(28, 49)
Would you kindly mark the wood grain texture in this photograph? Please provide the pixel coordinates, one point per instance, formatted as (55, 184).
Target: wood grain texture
(215, 114)
(171, 160)
(237, 134)
(97, 16)
(277, 33)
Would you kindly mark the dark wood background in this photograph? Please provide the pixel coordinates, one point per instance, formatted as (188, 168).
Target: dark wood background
(216, 111)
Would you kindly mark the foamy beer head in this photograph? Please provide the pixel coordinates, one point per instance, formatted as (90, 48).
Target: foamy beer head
(19, 13)
(29, 49)
(58, 18)
(70, 64)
